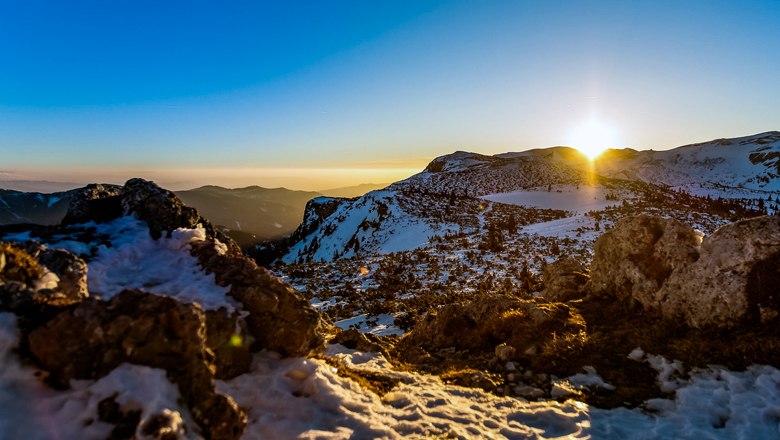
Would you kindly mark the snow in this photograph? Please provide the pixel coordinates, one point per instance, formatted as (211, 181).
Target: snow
(164, 266)
(133, 259)
(397, 231)
(714, 404)
(579, 198)
(305, 398)
(32, 411)
(590, 378)
(52, 200)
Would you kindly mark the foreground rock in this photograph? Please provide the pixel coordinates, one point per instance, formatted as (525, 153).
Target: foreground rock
(729, 278)
(736, 279)
(33, 276)
(634, 259)
(73, 336)
(90, 340)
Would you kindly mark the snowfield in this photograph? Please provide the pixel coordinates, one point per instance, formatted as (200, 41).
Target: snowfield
(574, 198)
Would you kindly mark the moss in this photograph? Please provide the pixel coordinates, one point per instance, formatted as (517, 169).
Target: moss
(18, 265)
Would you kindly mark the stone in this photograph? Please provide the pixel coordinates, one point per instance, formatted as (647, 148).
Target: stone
(94, 337)
(505, 352)
(736, 279)
(95, 202)
(634, 259)
(158, 207)
(564, 279)
(279, 319)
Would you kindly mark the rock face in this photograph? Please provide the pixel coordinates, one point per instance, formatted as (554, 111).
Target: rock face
(278, 319)
(158, 207)
(528, 326)
(564, 279)
(90, 340)
(735, 280)
(730, 278)
(635, 258)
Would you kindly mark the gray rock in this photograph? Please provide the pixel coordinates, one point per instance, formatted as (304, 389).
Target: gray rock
(735, 280)
(731, 278)
(635, 258)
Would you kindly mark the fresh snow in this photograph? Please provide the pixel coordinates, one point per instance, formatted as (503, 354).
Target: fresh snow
(32, 411)
(382, 324)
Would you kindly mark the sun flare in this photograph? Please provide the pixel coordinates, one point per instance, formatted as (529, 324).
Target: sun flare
(592, 137)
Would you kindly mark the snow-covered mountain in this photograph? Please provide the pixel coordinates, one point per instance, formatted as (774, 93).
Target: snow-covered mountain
(455, 192)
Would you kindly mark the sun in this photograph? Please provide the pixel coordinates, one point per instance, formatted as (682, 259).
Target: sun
(592, 137)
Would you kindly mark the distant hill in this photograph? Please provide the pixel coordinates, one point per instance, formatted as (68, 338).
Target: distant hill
(33, 207)
(250, 214)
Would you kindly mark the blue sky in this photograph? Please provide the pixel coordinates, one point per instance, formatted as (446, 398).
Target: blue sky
(316, 94)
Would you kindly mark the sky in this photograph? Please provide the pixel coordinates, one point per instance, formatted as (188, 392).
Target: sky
(321, 94)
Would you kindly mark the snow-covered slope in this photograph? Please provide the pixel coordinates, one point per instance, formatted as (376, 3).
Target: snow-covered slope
(376, 223)
(751, 163)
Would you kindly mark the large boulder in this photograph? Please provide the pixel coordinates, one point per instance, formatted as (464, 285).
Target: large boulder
(93, 338)
(158, 207)
(735, 280)
(634, 259)
(727, 279)
(564, 279)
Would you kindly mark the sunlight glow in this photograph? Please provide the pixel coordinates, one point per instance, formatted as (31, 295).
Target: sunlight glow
(592, 137)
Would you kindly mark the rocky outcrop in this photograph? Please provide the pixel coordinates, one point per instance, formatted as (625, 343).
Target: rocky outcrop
(529, 327)
(95, 202)
(158, 207)
(564, 279)
(94, 337)
(73, 336)
(278, 319)
(634, 259)
(728, 279)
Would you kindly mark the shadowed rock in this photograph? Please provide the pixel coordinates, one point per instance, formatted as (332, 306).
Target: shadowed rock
(94, 337)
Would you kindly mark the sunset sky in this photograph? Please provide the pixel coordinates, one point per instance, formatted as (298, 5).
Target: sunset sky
(318, 94)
